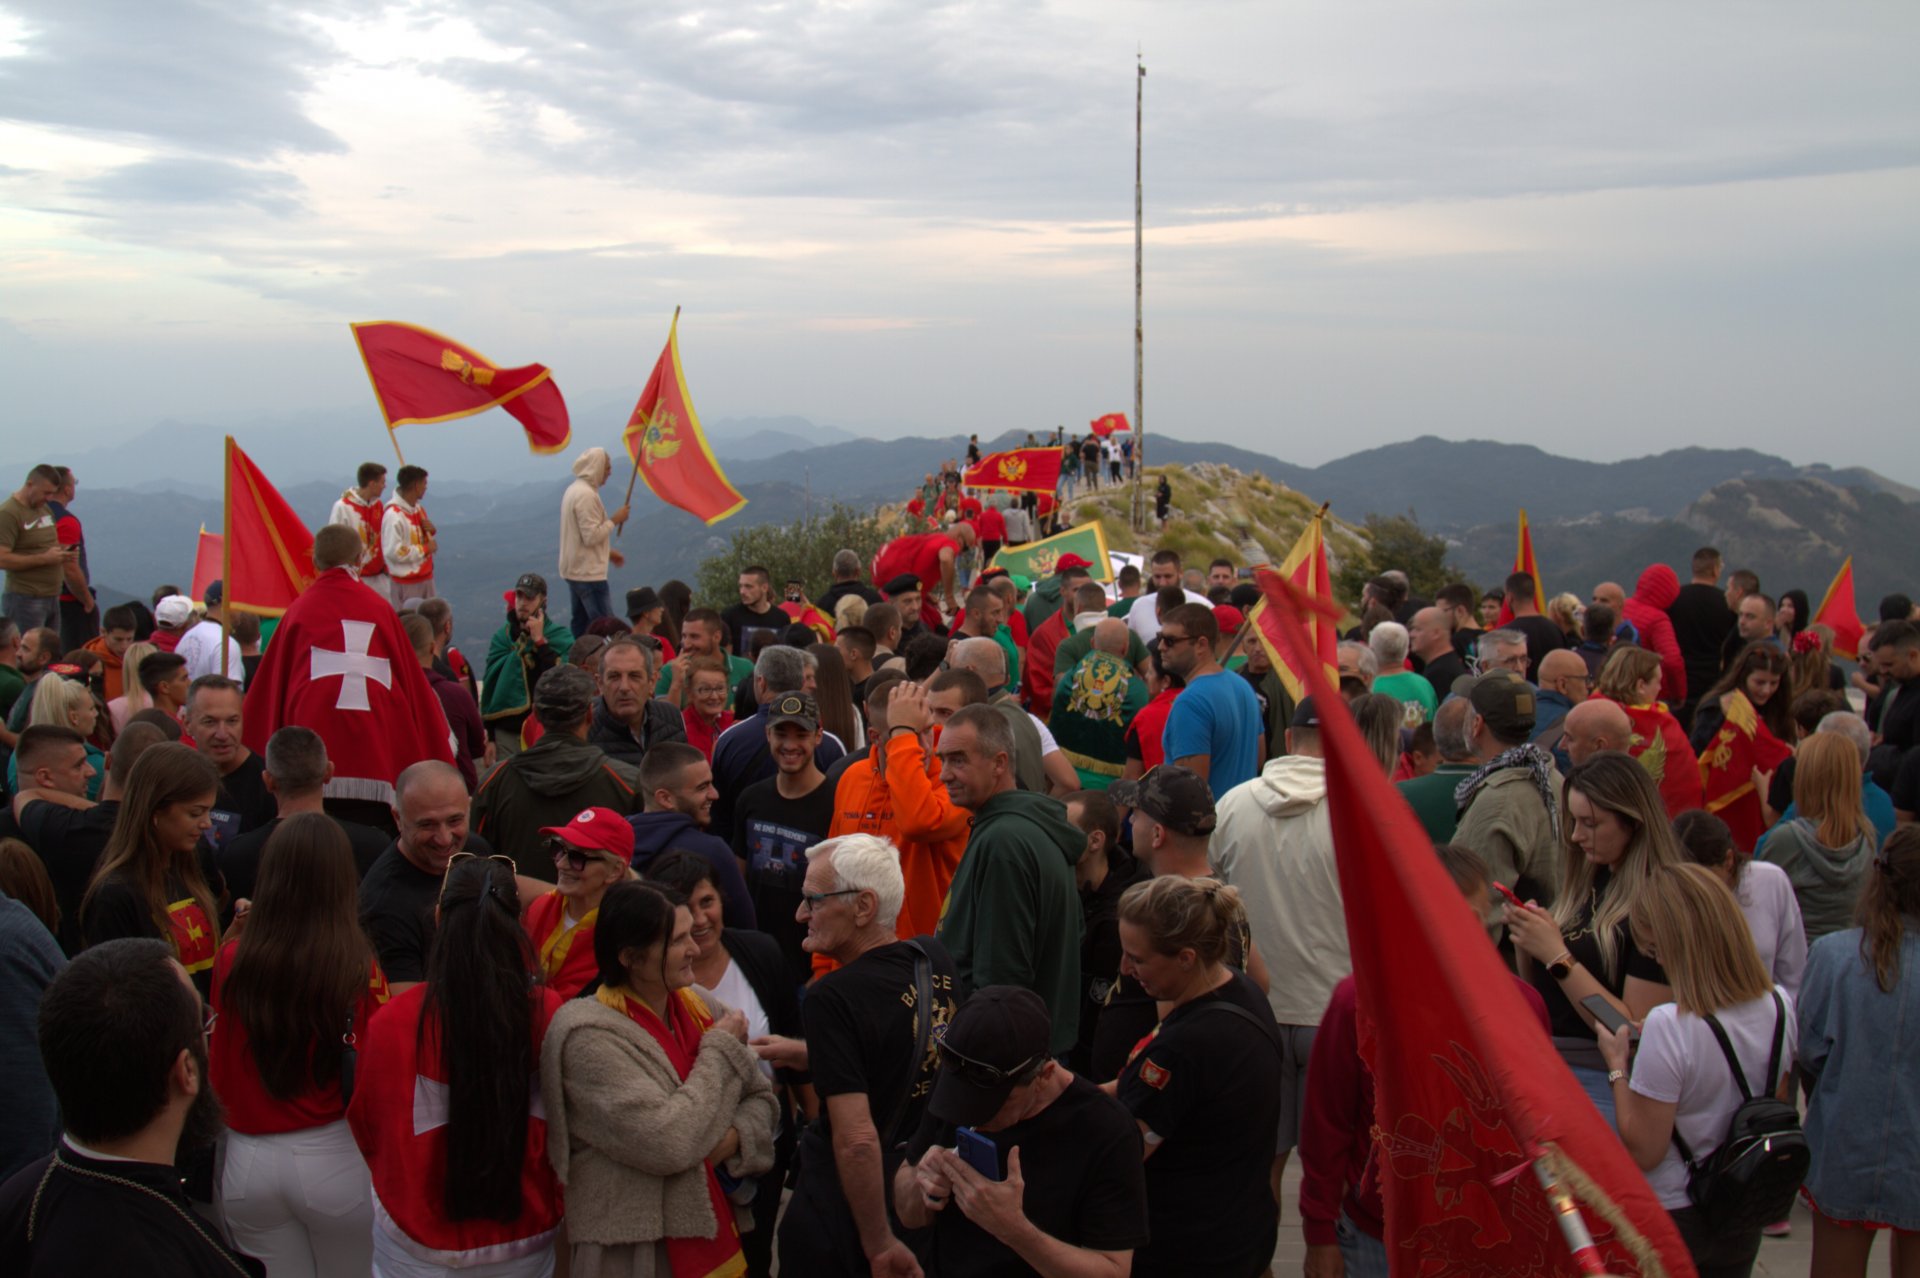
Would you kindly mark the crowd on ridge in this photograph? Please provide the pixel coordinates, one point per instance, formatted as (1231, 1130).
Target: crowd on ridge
(923, 920)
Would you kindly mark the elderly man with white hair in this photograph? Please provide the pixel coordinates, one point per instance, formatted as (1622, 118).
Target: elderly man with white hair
(1389, 642)
(871, 1026)
(586, 539)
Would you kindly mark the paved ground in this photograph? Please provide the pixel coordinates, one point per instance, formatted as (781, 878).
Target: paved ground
(1779, 1257)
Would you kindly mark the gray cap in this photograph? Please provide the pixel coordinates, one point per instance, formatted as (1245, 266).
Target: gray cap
(563, 697)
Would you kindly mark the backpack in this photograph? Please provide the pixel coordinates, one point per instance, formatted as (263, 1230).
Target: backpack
(1752, 1178)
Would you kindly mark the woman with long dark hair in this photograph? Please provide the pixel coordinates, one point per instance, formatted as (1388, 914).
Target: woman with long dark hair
(745, 970)
(292, 994)
(652, 1092)
(1791, 615)
(677, 595)
(833, 690)
(1759, 674)
(442, 1102)
(1859, 1033)
(156, 877)
(1615, 835)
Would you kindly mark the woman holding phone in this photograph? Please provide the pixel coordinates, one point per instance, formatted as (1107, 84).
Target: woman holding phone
(1616, 837)
(1682, 1087)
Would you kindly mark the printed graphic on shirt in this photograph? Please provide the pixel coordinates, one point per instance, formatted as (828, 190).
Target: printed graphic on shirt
(191, 934)
(777, 854)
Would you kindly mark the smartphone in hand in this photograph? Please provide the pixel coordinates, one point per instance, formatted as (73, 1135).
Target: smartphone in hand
(978, 1152)
(1604, 1012)
(1507, 892)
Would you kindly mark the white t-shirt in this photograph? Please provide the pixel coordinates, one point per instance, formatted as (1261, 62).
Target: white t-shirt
(734, 991)
(200, 648)
(1143, 621)
(1680, 1063)
(1773, 913)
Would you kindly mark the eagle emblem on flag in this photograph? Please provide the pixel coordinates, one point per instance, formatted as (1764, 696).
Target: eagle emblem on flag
(659, 440)
(1013, 467)
(465, 369)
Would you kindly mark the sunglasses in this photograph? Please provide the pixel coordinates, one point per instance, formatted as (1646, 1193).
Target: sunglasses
(458, 857)
(577, 859)
(984, 1075)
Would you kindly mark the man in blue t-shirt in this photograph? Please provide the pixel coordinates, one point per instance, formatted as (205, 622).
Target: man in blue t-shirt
(1214, 727)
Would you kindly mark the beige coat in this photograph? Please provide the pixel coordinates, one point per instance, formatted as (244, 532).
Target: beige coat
(629, 1139)
(586, 534)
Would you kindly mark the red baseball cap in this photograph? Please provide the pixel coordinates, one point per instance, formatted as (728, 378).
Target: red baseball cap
(1229, 618)
(597, 830)
(1071, 561)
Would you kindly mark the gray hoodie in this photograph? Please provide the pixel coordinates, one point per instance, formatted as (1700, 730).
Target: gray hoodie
(1825, 880)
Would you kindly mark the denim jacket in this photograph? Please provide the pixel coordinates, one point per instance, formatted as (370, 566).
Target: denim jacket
(1857, 1046)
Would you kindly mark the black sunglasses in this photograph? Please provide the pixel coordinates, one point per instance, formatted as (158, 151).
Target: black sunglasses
(577, 860)
(983, 1074)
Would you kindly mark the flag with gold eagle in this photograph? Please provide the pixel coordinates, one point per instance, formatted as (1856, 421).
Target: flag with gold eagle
(1475, 1113)
(1025, 470)
(1727, 765)
(668, 447)
(419, 375)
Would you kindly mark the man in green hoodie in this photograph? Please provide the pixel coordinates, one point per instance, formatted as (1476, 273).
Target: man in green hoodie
(1013, 912)
(1048, 596)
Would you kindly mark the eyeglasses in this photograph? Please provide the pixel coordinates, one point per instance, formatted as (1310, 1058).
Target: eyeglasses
(983, 1074)
(207, 1023)
(814, 899)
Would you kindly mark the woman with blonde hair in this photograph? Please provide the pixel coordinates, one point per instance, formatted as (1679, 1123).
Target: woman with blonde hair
(1859, 1032)
(1616, 838)
(1564, 611)
(134, 697)
(1825, 849)
(1726, 1016)
(1631, 677)
(65, 703)
(1380, 718)
(1210, 1208)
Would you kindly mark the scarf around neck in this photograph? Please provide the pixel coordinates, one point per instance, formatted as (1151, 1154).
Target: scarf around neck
(1536, 761)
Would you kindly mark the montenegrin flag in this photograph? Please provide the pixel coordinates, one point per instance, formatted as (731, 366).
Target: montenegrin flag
(1838, 613)
(1027, 470)
(1037, 559)
(420, 376)
(208, 556)
(1490, 1158)
(1523, 561)
(1109, 424)
(1306, 568)
(1742, 745)
(268, 552)
(668, 447)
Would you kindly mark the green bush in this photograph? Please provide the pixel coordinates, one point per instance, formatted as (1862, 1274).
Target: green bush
(1396, 541)
(803, 550)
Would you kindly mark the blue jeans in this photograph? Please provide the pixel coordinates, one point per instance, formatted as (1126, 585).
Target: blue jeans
(1364, 1255)
(1594, 1083)
(31, 612)
(592, 600)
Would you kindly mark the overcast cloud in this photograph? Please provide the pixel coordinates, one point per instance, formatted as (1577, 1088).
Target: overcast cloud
(1607, 230)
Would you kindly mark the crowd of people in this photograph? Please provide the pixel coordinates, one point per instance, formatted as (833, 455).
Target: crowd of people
(936, 922)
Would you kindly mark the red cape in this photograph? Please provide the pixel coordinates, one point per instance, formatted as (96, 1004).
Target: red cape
(340, 663)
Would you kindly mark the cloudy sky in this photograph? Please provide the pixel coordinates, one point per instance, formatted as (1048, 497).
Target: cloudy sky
(1605, 229)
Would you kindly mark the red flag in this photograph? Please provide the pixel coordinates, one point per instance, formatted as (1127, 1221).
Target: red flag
(1839, 615)
(1523, 561)
(658, 434)
(420, 376)
(1026, 470)
(268, 552)
(1468, 1091)
(340, 663)
(1108, 424)
(1306, 568)
(805, 614)
(1661, 746)
(207, 558)
(1726, 769)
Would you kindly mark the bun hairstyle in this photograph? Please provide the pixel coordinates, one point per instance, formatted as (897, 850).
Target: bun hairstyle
(1892, 893)
(1201, 915)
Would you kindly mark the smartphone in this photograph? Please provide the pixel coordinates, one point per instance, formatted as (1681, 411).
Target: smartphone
(1604, 1012)
(978, 1152)
(1507, 892)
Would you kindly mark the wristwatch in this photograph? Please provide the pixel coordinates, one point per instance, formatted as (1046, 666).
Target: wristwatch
(1615, 1075)
(1561, 968)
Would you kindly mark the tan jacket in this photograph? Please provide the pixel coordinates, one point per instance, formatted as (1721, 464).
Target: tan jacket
(629, 1139)
(586, 534)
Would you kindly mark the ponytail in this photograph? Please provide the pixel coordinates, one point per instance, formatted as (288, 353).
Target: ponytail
(1892, 892)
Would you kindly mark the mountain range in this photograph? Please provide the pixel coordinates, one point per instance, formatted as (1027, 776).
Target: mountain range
(145, 498)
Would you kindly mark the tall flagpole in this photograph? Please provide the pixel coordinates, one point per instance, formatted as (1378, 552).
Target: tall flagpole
(1139, 399)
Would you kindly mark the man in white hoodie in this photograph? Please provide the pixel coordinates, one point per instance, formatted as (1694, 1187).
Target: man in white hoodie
(1273, 840)
(586, 539)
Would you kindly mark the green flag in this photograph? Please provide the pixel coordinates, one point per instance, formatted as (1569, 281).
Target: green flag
(1038, 559)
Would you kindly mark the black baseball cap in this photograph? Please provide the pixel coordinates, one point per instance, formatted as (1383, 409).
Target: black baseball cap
(996, 1041)
(1306, 714)
(794, 707)
(530, 584)
(1174, 796)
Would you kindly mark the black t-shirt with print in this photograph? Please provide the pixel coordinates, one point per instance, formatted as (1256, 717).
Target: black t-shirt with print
(1584, 946)
(1208, 1086)
(1080, 1157)
(244, 803)
(772, 833)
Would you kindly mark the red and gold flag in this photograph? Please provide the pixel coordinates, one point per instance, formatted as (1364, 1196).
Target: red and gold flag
(1839, 614)
(1306, 568)
(1026, 470)
(420, 376)
(1727, 767)
(668, 447)
(1661, 746)
(267, 551)
(1473, 1107)
(1523, 561)
(1108, 424)
(208, 557)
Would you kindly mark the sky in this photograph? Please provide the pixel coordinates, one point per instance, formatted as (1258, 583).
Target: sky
(1607, 230)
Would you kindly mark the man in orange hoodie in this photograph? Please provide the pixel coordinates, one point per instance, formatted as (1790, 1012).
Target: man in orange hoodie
(895, 792)
(111, 644)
